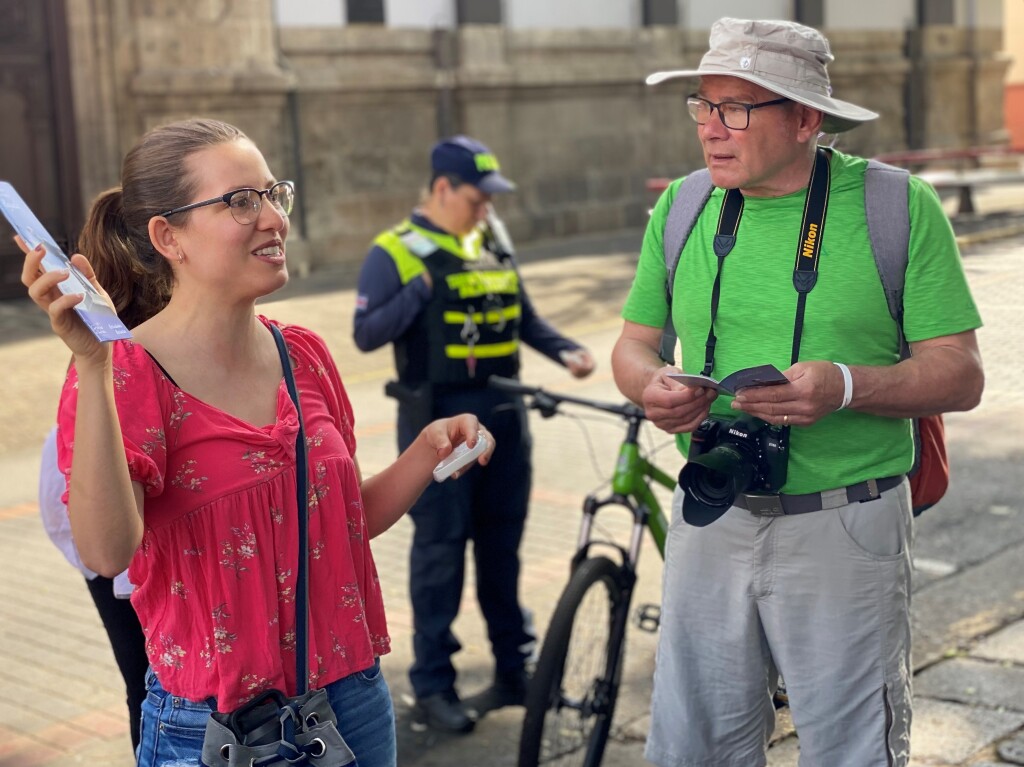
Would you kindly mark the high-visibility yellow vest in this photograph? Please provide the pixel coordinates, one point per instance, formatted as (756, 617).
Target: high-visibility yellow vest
(469, 329)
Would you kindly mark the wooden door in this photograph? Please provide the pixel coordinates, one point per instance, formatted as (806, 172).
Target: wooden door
(37, 140)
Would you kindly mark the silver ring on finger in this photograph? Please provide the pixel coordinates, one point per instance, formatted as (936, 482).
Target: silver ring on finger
(785, 420)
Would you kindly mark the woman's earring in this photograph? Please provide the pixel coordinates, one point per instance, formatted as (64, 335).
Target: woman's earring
(181, 258)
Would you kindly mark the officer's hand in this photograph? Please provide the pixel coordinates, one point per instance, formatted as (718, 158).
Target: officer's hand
(428, 280)
(675, 408)
(580, 362)
(815, 389)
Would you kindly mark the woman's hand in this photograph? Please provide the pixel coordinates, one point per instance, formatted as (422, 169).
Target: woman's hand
(389, 494)
(445, 434)
(43, 290)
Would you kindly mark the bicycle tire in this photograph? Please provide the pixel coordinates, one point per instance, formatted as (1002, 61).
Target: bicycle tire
(571, 699)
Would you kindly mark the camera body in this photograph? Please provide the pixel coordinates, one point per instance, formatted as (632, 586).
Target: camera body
(730, 455)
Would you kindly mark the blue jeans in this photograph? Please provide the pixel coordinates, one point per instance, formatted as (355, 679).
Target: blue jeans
(173, 727)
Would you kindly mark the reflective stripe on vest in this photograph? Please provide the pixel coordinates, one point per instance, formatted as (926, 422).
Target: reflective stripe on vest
(482, 351)
(494, 317)
(473, 312)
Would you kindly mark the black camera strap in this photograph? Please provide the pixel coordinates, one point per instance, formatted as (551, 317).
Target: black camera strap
(728, 223)
(808, 251)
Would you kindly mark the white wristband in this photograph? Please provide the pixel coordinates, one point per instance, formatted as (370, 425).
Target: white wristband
(847, 384)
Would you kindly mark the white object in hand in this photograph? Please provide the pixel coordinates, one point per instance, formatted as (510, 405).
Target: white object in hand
(569, 358)
(461, 456)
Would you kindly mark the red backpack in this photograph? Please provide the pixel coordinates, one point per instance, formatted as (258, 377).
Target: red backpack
(929, 478)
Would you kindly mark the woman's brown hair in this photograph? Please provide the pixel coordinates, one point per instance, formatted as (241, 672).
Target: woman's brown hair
(115, 237)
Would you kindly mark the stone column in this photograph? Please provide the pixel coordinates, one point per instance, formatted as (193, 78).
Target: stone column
(148, 62)
(958, 75)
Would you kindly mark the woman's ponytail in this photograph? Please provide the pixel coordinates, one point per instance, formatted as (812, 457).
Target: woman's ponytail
(138, 289)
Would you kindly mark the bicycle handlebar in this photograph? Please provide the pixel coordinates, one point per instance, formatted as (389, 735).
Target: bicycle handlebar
(547, 402)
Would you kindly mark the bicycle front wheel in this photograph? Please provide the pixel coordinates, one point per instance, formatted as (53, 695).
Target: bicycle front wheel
(572, 696)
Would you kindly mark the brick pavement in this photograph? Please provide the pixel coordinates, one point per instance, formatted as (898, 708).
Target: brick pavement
(60, 702)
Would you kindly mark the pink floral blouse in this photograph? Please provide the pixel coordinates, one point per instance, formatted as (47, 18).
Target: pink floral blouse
(216, 571)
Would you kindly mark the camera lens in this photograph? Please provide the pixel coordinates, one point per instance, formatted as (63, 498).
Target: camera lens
(711, 482)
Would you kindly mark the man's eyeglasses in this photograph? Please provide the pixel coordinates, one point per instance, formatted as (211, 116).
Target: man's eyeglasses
(735, 115)
(245, 204)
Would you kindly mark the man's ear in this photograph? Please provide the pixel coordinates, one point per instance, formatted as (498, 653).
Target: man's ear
(809, 125)
(164, 238)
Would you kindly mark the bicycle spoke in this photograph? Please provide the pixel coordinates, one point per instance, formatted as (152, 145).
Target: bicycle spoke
(583, 695)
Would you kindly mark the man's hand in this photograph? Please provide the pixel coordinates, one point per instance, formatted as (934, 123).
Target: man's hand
(675, 408)
(641, 375)
(815, 389)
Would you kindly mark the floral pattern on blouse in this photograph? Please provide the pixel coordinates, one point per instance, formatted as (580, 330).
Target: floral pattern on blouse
(215, 573)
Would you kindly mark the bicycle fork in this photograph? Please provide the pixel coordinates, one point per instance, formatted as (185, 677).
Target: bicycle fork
(648, 615)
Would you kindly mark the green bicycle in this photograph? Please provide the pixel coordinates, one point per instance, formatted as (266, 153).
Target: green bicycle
(571, 699)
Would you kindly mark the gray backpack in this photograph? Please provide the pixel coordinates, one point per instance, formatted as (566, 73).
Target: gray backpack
(888, 218)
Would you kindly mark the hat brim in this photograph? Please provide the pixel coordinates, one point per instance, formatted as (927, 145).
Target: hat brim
(840, 116)
(495, 183)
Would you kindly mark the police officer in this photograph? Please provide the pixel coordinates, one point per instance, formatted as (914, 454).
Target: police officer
(444, 290)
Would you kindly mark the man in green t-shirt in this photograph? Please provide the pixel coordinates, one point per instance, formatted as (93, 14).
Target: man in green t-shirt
(789, 549)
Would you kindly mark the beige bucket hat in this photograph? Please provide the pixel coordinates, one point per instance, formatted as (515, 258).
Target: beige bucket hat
(785, 57)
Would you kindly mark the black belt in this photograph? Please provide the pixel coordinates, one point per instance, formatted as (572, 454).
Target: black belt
(777, 504)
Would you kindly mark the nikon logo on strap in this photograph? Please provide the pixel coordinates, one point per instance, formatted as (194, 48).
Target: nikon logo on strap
(485, 162)
(807, 251)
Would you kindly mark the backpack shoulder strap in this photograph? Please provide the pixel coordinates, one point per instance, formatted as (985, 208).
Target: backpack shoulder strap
(887, 208)
(690, 199)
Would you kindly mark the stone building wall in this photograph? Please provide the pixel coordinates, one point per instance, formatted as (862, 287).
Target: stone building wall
(351, 112)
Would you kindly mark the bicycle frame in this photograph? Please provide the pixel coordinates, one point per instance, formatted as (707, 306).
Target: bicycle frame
(630, 489)
(566, 697)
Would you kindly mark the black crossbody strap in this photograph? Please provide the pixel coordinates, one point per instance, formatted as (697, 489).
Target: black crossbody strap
(302, 498)
(728, 223)
(808, 249)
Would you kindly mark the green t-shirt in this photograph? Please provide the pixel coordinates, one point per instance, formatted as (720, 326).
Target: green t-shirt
(846, 320)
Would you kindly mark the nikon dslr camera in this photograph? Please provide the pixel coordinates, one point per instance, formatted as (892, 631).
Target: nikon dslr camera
(730, 455)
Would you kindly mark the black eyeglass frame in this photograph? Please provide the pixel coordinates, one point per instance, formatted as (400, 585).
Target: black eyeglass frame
(226, 199)
(713, 106)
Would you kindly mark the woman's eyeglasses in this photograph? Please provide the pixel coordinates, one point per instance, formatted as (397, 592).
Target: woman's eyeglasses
(245, 204)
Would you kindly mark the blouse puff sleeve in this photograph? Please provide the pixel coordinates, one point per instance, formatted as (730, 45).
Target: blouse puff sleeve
(145, 403)
(309, 350)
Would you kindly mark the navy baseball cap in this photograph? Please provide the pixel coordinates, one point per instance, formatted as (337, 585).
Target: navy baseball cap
(470, 161)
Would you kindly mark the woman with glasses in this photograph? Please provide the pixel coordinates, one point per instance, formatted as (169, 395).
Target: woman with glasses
(179, 448)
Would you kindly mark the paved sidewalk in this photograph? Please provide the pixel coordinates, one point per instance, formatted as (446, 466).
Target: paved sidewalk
(60, 700)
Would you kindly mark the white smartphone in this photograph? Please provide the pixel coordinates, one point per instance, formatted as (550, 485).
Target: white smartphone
(461, 456)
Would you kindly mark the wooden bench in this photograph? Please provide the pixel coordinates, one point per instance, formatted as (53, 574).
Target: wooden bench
(658, 184)
(959, 158)
(971, 168)
(962, 170)
(964, 182)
